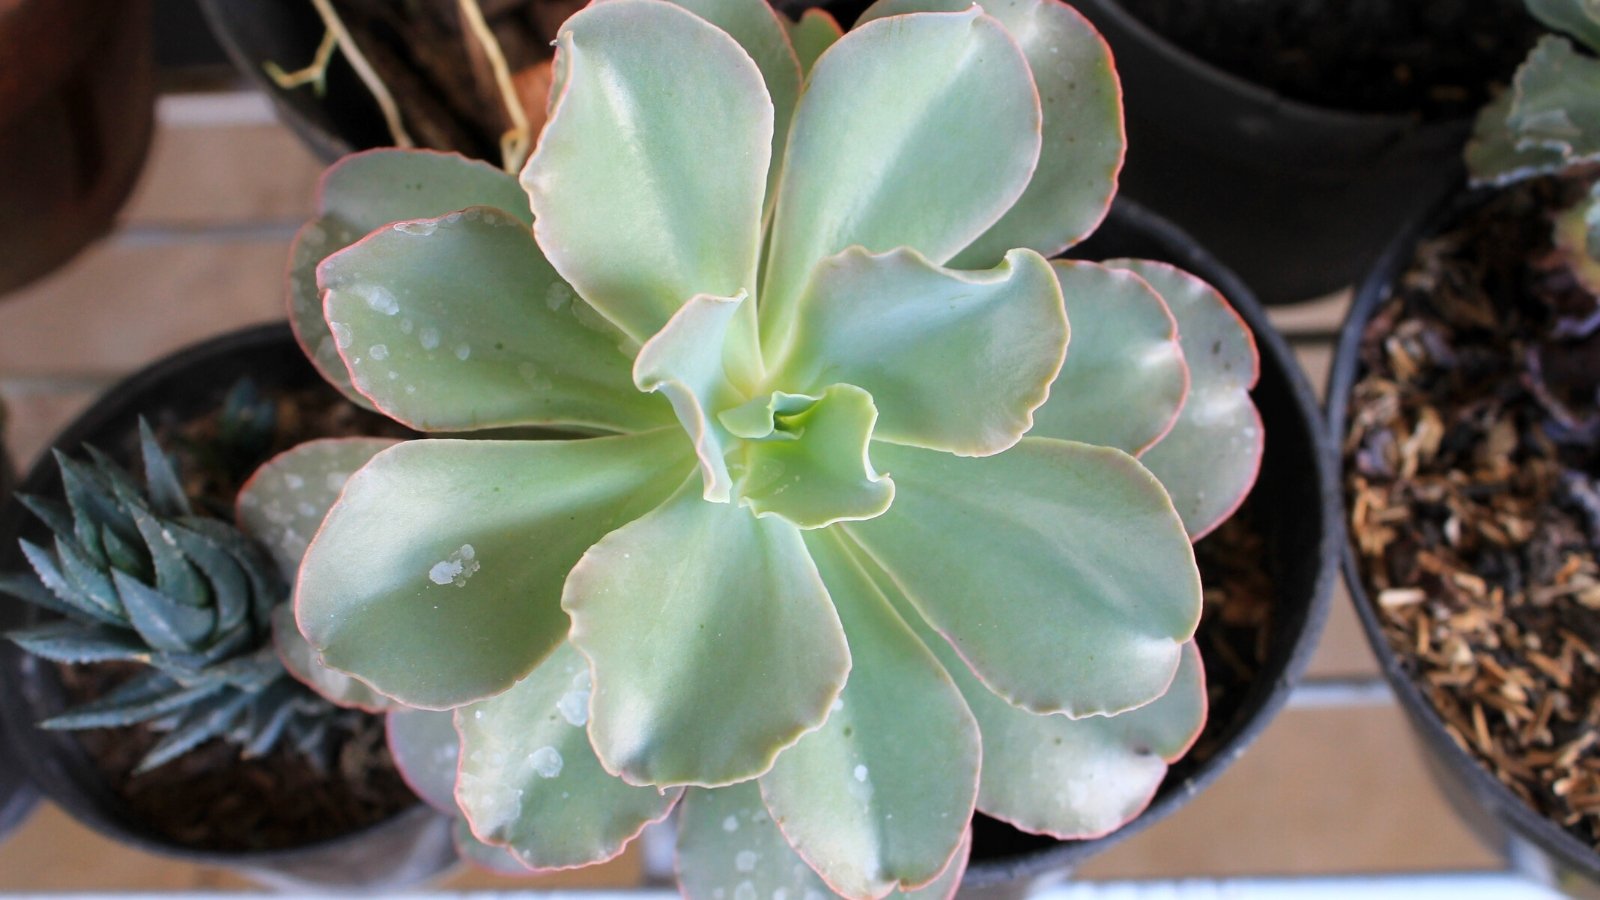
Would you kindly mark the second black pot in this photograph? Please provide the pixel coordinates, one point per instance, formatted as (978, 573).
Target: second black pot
(1296, 508)
(406, 849)
(1298, 199)
(1530, 842)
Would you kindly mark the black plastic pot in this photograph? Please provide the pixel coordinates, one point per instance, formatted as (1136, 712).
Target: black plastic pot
(17, 794)
(1296, 505)
(1529, 841)
(1298, 199)
(408, 848)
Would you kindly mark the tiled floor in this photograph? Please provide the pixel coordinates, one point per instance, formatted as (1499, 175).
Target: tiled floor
(202, 250)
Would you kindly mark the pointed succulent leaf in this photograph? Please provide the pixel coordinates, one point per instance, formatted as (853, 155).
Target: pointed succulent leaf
(1209, 459)
(160, 478)
(1579, 18)
(1083, 144)
(363, 192)
(936, 105)
(1059, 571)
(530, 781)
(712, 642)
(648, 182)
(29, 588)
(458, 323)
(812, 35)
(267, 588)
(729, 848)
(74, 643)
(879, 797)
(427, 752)
(301, 660)
(1124, 380)
(176, 577)
(286, 499)
(273, 710)
(685, 362)
(764, 33)
(85, 580)
(230, 587)
(391, 588)
(55, 515)
(91, 605)
(955, 361)
(140, 699)
(93, 501)
(200, 722)
(1083, 778)
(163, 622)
(813, 469)
(485, 856)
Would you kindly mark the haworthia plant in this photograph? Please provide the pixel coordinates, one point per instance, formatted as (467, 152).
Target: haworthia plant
(138, 576)
(857, 546)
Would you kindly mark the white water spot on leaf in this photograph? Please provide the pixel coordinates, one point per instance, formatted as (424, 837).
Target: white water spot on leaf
(780, 894)
(558, 296)
(411, 389)
(341, 334)
(293, 482)
(378, 351)
(813, 894)
(421, 229)
(838, 704)
(429, 337)
(746, 860)
(546, 761)
(745, 891)
(463, 351)
(455, 570)
(861, 773)
(307, 510)
(731, 823)
(574, 707)
(379, 299)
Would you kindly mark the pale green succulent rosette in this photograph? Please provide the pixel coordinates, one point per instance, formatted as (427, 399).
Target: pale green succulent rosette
(844, 500)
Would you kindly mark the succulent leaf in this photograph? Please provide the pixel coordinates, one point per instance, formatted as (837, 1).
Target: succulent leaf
(160, 478)
(164, 623)
(813, 468)
(1579, 18)
(956, 361)
(728, 847)
(686, 362)
(284, 502)
(648, 183)
(1059, 571)
(770, 656)
(73, 643)
(301, 661)
(458, 323)
(937, 105)
(83, 580)
(812, 35)
(1209, 459)
(144, 697)
(485, 856)
(1124, 380)
(879, 797)
(530, 780)
(364, 192)
(391, 588)
(1547, 121)
(1083, 144)
(427, 751)
(199, 722)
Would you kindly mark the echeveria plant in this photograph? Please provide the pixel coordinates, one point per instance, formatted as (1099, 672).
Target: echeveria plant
(838, 548)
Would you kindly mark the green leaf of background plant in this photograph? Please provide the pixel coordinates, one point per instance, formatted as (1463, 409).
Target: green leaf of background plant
(1579, 18)
(712, 641)
(1209, 459)
(530, 781)
(955, 361)
(814, 32)
(437, 576)
(895, 113)
(729, 849)
(879, 797)
(1083, 137)
(458, 323)
(1124, 380)
(649, 178)
(823, 475)
(1059, 571)
(365, 191)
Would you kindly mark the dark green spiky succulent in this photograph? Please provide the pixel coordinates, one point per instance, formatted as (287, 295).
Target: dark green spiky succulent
(140, 577)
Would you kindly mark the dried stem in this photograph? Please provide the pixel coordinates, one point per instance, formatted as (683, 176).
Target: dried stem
(314, 74)
(515, 143)
(369, 77)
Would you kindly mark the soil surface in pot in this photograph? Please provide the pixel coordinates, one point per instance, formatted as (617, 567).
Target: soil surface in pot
(1235, 628)
(210, 798)
(1436, 57)
(1470, 464)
